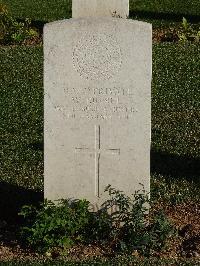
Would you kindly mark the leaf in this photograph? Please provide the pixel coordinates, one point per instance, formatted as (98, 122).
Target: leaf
(185, 23)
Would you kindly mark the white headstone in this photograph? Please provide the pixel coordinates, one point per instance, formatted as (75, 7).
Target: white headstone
(97, 79)
(100, 8)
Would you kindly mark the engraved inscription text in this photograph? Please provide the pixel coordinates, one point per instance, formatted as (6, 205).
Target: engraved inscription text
(97, 103)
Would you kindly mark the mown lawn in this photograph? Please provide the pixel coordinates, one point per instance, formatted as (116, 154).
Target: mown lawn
(156, 11)
(175, 162)
(21, 122)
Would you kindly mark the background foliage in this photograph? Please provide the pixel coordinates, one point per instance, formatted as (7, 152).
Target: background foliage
(157, 11)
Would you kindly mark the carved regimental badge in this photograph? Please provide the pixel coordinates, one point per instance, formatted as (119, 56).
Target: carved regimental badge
(97, 56)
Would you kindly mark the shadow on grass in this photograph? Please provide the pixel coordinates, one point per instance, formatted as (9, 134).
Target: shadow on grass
(12, 198)
(38, 25)
(175, 167)
(164, 16)
(173, 17)
(37, 146)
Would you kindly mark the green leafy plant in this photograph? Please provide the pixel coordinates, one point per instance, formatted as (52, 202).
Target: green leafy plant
(188, 33)
(13, 31)
(159, 231)
(131, 230)
(122, 224)
(55, 225)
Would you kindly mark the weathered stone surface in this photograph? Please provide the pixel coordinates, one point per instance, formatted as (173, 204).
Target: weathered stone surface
(100, 8)
(97, 79)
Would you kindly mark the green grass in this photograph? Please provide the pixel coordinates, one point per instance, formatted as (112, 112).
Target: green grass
(158, 12)
(175, 120)
(21, 122)
(176, 99)
(40, 10)
(167, 6)
(164, 12)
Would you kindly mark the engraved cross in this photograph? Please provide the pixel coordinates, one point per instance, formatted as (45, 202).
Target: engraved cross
(97, 152)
